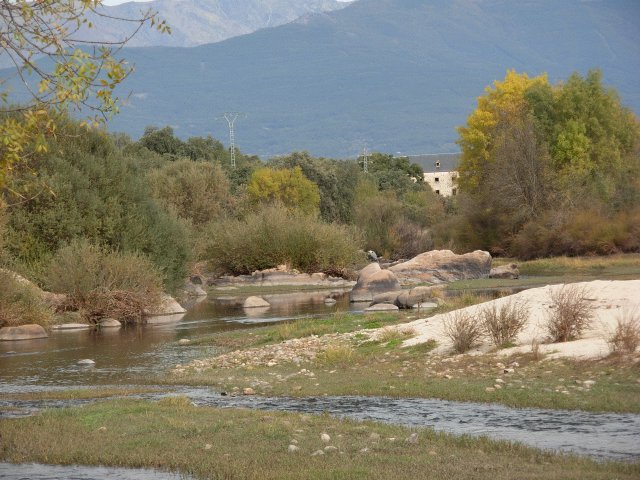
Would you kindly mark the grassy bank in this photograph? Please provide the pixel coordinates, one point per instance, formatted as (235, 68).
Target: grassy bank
(241, 444)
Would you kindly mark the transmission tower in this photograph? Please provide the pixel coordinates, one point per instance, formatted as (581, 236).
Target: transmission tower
(231, 118)
(365, 159)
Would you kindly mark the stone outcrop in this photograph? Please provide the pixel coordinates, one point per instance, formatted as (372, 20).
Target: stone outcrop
(23, 332)
(372, 281)
(441, 266)
(276, 277)
(381, 307)
(509, 271)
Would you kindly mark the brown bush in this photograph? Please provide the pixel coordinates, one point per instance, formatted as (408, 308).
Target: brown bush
(503, 323)
(626, 337)
(21, 303)
(102, 283)
(570, 314)
(463, 330)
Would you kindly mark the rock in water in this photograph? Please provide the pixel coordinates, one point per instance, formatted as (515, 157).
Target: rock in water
(255, 302)
(439, 266)
(109, 323)
(372, 281)
(71, 326)
(381, 307)
(86, 361)
(168, 306)
(23, 332)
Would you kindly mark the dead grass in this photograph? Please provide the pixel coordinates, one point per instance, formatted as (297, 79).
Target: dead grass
(503, 323)
(463, 330)
(626, 337)
(570, 314)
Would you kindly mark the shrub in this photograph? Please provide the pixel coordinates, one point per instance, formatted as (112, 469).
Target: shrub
(337, 355)
(626, 337)
(503, 323)
(570, 313)
(463, 330)
(103, 283)
(21, 303)
(275, 236)
(92, 192)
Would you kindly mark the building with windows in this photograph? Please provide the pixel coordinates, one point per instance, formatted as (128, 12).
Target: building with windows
(440, 171)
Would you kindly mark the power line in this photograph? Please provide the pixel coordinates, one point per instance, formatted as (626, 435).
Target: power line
(231, 118)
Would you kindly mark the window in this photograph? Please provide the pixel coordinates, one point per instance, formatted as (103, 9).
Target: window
(437, 179)
(438, 192)
(437, 164)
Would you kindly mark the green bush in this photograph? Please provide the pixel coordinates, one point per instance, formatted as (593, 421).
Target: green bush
(275, 236)
(21, 303)
(93, 191)
(196, 191)
(103, 283)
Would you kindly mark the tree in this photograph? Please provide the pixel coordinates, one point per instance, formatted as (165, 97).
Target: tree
(83, 75)
(499, 103)
(286, 186)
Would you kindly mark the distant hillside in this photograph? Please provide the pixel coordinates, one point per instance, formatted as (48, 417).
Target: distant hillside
(195, 22)
(399, 75)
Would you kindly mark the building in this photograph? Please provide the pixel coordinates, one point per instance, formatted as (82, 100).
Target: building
(440, 171)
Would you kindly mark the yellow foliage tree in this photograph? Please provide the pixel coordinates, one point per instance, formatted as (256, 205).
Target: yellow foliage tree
(286, 186)
(505, 99)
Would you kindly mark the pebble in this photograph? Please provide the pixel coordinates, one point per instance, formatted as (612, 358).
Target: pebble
(489, 389)
(509, 370)
(413, 438)
(497, 386)
(102, 429)
(317, 452)
(86, 361)
(248, 391)
(589, 383)
(208, 446)
(330, 448)
(325, 438)
(448, 377)
(364, 450)
(499, 380)
(184, 341)
(293, 448)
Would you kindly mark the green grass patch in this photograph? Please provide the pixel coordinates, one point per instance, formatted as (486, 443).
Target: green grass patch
(241, 444)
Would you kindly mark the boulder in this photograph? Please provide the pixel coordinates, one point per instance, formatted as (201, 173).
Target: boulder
(372, 281)
(440, 266)
(23, 332)
(509, 271)
(382, 307)
(167, 306)
(410, 298)
(255, 302)
(164, 319)
(191, 289)
(109, 323)
(71, 326)
(387, 297)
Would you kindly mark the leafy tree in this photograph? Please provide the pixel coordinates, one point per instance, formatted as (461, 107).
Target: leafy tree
(286, 186)
(500, 102)
(83, 75)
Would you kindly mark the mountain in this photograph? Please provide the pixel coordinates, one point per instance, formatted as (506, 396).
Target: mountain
(399, 75)
(195, 22)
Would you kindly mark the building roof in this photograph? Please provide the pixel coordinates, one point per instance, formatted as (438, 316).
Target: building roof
(448, 161)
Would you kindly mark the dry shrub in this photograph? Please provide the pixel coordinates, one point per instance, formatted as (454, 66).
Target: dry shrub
(337, 354)
(503, 323)
(570, 314)
(21, 303)
(389, 334)
(536, 354)
(626, 337)
(102, 283)
(463, 330)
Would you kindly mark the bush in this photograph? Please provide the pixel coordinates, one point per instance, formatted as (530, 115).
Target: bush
(626, 337)
(102, 283)
(92, 192)
(570, 314)
(463, 330)
(21, 303)
(503, 323)
(275, 236)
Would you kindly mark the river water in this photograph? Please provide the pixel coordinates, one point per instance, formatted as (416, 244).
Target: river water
(136, 355)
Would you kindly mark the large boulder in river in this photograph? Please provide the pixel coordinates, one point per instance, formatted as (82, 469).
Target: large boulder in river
(509, 271)
(440, 266)
(167, 306)
(416, 295)
(372, 281)
(23, 332)
(255, 302)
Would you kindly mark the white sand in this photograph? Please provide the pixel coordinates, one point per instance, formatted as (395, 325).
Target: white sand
(609, 299)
